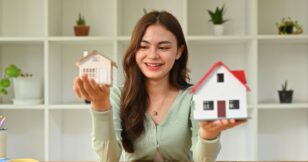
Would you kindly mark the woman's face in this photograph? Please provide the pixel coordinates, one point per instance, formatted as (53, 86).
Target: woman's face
(157, 52)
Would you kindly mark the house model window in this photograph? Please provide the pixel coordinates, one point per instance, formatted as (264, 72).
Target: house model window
(208, 105)
(234, 104)
(96, 66)
(220, 77)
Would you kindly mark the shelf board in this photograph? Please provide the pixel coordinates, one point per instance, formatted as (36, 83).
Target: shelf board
(123, 38)
(220, 39)
(293, 39)
(21, 40)
(21, 107)
(283, 106)
(79, 40)
(69, 106)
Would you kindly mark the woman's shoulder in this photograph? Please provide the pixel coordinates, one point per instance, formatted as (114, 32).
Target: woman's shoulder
(185, 94)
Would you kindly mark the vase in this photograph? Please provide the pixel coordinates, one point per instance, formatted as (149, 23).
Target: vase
(218, 29)
(28, 91)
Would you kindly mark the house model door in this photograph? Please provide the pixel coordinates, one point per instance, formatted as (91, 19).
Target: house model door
(221, 109)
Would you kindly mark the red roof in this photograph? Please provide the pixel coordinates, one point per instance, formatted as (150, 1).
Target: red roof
(238, 74)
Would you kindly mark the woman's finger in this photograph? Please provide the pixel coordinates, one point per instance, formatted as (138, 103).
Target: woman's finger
(87, 86)
(83, 92)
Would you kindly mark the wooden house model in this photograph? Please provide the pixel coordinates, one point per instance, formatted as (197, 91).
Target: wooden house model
(97, 66)
(221, 93)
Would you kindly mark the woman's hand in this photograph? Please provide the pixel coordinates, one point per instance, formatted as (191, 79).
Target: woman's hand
(88, 89)
(211, 129)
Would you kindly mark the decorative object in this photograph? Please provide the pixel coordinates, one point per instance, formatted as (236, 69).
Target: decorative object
(3, 142)
(221, 93)
(285, 95)
(96, 66)
(27, 89)
(288, 26)
(217, 18)
(81, 29)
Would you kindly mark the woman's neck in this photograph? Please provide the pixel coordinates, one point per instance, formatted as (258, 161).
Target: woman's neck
(158, 87)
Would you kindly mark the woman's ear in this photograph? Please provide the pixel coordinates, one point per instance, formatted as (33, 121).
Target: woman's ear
(179, 52)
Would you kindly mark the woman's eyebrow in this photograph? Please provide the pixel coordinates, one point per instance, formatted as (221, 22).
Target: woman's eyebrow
(162, 42)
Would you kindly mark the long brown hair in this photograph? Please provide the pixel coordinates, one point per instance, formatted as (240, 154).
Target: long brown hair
(135, 99)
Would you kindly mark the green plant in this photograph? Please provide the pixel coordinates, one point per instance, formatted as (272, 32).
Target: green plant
(81, 21)
(217, 17)
(288, 26)
(12, 71)
(284, 86)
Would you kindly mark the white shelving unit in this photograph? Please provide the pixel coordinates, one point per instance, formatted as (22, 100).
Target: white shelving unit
(37, 35)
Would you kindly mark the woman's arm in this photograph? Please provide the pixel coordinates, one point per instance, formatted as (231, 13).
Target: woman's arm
(203, 150)
(106, 124)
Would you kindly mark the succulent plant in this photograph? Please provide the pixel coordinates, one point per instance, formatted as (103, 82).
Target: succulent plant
(217, 17)
(288, 26)
(284, 86)
(81, 21)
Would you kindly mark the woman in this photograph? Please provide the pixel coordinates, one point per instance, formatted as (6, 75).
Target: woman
(150, 117)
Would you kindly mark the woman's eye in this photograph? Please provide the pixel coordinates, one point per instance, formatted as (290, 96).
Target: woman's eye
(163, 48)
(143, 47)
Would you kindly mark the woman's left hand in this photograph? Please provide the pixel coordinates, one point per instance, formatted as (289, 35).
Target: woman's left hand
(211, 129)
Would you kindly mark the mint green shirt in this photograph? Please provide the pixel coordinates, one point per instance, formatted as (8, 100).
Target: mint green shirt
(175, 138)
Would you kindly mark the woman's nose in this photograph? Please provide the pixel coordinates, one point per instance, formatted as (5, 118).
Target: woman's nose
(153, 53)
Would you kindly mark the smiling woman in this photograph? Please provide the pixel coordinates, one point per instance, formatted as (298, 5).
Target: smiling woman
(150, 117)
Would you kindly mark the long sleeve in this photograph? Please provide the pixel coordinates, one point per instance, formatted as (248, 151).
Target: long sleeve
(203, 150)
(106, 129)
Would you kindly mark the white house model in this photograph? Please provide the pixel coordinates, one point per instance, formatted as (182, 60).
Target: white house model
(221, 93)
(96, 66)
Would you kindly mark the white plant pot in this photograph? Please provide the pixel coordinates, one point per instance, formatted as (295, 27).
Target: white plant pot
(28, 91)
(218, 29)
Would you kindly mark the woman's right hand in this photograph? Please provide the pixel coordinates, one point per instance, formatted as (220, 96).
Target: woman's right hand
(88, 89)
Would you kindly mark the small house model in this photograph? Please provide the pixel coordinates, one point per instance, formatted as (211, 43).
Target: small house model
(96, 66)
(221, 93)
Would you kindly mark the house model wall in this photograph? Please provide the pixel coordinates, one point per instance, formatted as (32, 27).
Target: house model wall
(96, 66)
(221, 93)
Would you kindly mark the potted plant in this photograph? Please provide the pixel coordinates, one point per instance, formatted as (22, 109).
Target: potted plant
(81, 29)
(11, 71)
(27, 89)
(288, 26)
(217, 18)
(285, 95)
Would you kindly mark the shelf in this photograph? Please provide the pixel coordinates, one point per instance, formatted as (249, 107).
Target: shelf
(62, 16)
(278, 63)
(283, 39)
(69, 107)
(276, 128)
(237, 11)
(80, 40)
(267, 16)
(21, 107)
(25, 133)
(21, 18)
(21, 40)
(220, 39)
(73, 127)
(265, 106)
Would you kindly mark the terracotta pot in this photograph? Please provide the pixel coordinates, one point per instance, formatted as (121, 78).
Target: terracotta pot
(81, 30)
